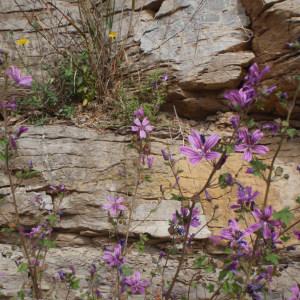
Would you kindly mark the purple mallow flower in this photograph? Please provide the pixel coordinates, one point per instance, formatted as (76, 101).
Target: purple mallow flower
(136, 284)
(254, 75)
(142, 128)
(61, 275)
(273, 127)
(235, 121)
(269, 90)
(297, 234)
(241, 98)
(139, 113)
(21, 130)
(265, 223)
(200, 147)
(167, 156)
(248, 143)
(14, 74)
(295, 292)
(114, 205)
(181, 217)
(246, 198)
(114, 258)
(234, 235)
(165, 77)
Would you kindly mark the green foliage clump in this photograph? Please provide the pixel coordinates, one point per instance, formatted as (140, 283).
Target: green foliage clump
(149, 94)
(71, 82)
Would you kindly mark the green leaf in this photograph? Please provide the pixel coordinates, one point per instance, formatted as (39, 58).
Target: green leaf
(229, 149)
(284, 215)
(23, 267)
(27, 174)
(21, 295)
(148, 178)
(49, 244)
(177, 197)
(223, 180)
(210, 287)
(291, 132)
(75, 283)
(272, 258)
(223, 274)
(251, 123)
(52, 219)
(298, 200)
(210, 269)
(285, 238)
(126, 270)
(258, 166)
(200, 262)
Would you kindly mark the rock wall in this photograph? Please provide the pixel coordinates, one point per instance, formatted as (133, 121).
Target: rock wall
(93, 165)
(204, 46)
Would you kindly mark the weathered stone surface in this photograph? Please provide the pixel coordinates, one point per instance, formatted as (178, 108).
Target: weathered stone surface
(193, 41)
(92, 166)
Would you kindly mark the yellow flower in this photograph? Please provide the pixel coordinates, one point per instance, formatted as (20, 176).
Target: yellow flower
(22, 42)
(112, 35)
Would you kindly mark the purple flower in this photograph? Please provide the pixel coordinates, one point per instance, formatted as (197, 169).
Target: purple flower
(181, 218)
(11, 105)
(265, 223)
(273, 127)
(139, 113)
(114, 205)
(93, 270)
(142, 128)
(234, 235)
(250, 171)
(61, 275)
(298, 168)
(228, 179)
(56, 189)
(167, 155)
(12, 142)
(14, 74)
(255, 291)
(200, 147)
(254, 75)
(266, 275)
(208, 197)
(162, 254)
(241, 98)
(21, 130)
(98, 293)
(165, 77)
(269, 90)
(136, 285)
(248, 143)
(297, 234)
(245, 198)
(114, 258)
(295, 292)
(150, 160)
(34, 232)
(235, 121)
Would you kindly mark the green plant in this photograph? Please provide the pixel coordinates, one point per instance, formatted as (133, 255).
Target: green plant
(75, 81)
(150, 94)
